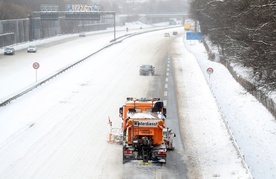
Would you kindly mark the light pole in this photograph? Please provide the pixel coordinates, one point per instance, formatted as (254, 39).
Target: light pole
(114, 15)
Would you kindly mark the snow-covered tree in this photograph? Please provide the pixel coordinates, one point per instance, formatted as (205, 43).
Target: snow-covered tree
(245, 31)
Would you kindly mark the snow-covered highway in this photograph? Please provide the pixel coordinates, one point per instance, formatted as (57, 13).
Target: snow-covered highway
(59, 130)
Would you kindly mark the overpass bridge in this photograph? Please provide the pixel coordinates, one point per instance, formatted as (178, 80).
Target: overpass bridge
(155, 18)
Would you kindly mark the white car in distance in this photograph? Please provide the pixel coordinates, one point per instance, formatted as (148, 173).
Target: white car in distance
(32, 49)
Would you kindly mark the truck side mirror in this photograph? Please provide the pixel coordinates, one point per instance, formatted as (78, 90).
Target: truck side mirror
(165, 112)
(120, 111)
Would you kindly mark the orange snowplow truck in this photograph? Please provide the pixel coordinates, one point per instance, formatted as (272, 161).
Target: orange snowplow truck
(143, 121)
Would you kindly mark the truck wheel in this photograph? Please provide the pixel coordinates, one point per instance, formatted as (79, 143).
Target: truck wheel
(124, 159)
(172, 147)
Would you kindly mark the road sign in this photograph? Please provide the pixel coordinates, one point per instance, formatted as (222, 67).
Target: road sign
(36, 65)
(70, 15)
(210, 70)
(193, 36)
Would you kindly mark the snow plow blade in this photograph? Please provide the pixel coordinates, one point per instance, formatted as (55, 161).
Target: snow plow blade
(115, 136)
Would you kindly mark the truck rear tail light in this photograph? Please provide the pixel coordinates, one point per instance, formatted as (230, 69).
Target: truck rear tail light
(127, 151)
(161, 152)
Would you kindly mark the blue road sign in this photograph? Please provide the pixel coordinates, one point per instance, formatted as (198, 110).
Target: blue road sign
(193, 36)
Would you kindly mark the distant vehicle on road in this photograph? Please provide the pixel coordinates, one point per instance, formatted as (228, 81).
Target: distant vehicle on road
(82, 34)
(9, 51)
(187, 27)
(166, 35)
(175, 33)
(173, 21)
(147, 70)
(32, 49)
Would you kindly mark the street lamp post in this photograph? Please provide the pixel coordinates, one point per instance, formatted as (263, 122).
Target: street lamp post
(114, 15)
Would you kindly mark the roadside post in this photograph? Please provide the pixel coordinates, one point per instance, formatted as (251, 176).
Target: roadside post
(36, 66)
(210, 71)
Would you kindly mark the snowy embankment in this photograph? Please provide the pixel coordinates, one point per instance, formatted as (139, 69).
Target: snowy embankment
(245, 76)
(251, 124)
(209, 149)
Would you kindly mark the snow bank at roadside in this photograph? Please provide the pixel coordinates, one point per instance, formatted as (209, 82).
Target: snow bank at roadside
(209, 148)
(251, 124)
(245, 73)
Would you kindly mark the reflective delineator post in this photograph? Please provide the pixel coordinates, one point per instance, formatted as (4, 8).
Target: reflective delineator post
(110, 137)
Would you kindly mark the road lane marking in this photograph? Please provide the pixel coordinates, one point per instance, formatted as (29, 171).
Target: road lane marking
(165, 102)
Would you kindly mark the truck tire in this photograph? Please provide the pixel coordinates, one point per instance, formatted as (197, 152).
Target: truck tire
(124, 158)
